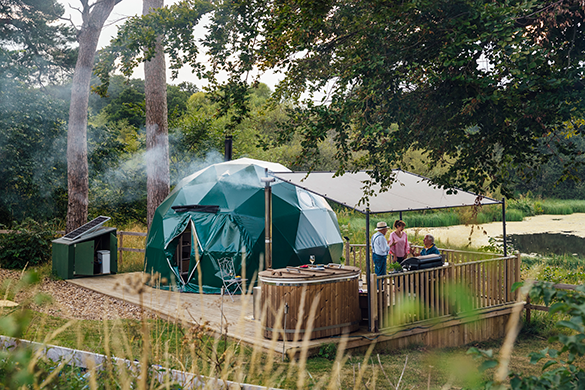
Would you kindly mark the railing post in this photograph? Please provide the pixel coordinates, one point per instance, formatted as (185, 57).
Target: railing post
(374, 301)
(346, 245)
(452, 305)
(527, 307)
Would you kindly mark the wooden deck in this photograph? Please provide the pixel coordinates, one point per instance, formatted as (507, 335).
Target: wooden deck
(445, 331)
(202, 308)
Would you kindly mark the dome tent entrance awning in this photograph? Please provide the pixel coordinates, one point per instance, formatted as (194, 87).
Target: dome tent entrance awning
(408, 192)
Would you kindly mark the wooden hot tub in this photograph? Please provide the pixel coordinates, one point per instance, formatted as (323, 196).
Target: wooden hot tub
(337, 308)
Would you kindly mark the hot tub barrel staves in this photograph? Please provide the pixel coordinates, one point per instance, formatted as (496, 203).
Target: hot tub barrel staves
(332, 290)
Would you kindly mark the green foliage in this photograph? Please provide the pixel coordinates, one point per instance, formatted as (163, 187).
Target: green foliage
(523, 204)
(559, 274)
(33, 172)
(28, 244)
(558, 209)
(560, 370)
(328, 351)
(125, 101)
(493, 246)
(546, 182)
(436, 219)
(128, 105)
(392, 88)
(203, 128)
(35, 48)
(394, 267)
(136, 41)
(487, 357)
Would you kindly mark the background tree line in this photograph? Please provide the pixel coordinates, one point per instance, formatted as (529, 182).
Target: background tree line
(33, 173)
(303, 134)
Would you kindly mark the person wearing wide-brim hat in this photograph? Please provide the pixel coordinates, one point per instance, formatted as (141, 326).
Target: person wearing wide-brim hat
(380, 248)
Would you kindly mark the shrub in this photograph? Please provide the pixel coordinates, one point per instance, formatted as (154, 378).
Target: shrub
(487, 216)
(328, 351)
(523, 204)
(514, 215)
(28, 243)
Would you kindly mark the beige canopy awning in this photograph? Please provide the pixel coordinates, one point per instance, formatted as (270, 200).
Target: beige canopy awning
(409, 192)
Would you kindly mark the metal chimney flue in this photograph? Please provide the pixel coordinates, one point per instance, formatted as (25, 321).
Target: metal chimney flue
(228, 148)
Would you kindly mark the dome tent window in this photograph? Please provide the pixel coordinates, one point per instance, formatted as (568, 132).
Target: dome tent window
(306, 198)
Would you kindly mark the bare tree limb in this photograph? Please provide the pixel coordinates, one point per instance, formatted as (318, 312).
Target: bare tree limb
(384, 372)
(399, 380)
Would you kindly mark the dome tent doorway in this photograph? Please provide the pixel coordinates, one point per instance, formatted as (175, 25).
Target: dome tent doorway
(218, 212)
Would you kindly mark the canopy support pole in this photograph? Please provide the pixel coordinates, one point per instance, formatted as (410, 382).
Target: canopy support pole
(267, 221)
(504, 225)
(368, 269)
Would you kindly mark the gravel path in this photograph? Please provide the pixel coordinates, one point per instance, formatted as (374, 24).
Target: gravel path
(73, 302)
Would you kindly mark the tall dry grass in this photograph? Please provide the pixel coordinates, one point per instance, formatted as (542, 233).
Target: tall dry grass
(215, 361)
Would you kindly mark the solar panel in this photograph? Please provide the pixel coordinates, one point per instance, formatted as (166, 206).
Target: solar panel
(86, 229)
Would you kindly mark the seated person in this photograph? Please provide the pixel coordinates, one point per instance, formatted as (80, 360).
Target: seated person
(430, 247)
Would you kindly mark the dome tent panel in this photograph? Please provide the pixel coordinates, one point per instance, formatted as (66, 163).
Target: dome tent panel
(324, 222)
(284, 252)
(161, 233)
(215, 196)
(228, 196)
(193, 194)
(253, 206)
(311, 241)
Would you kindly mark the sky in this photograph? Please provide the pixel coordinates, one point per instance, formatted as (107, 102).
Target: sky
(129, 8)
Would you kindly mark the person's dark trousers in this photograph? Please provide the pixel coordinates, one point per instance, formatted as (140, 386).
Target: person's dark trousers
(399, 260)
(379, 265)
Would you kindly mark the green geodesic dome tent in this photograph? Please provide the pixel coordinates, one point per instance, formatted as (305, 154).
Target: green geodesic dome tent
(218, 212)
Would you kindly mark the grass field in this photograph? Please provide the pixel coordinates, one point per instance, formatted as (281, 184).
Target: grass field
(189, 348)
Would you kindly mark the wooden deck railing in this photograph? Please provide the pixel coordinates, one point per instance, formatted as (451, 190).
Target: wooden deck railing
(408, 297)
(355, 255)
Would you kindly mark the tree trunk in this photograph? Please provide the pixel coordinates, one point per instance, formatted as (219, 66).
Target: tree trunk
(77, 167)
(157, 135)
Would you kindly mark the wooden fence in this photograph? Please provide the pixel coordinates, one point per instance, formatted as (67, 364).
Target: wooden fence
(529, 306)
(408, 297)
(121, 248)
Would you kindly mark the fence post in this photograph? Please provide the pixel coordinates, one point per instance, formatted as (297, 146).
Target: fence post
(527, 307)
(346, 245)
(517, 273)
(120, 247)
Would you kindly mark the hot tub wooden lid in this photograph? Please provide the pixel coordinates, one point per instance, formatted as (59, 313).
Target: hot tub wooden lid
(298, 275)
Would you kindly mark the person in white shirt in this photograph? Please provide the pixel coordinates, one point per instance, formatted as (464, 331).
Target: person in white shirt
(380, 248)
